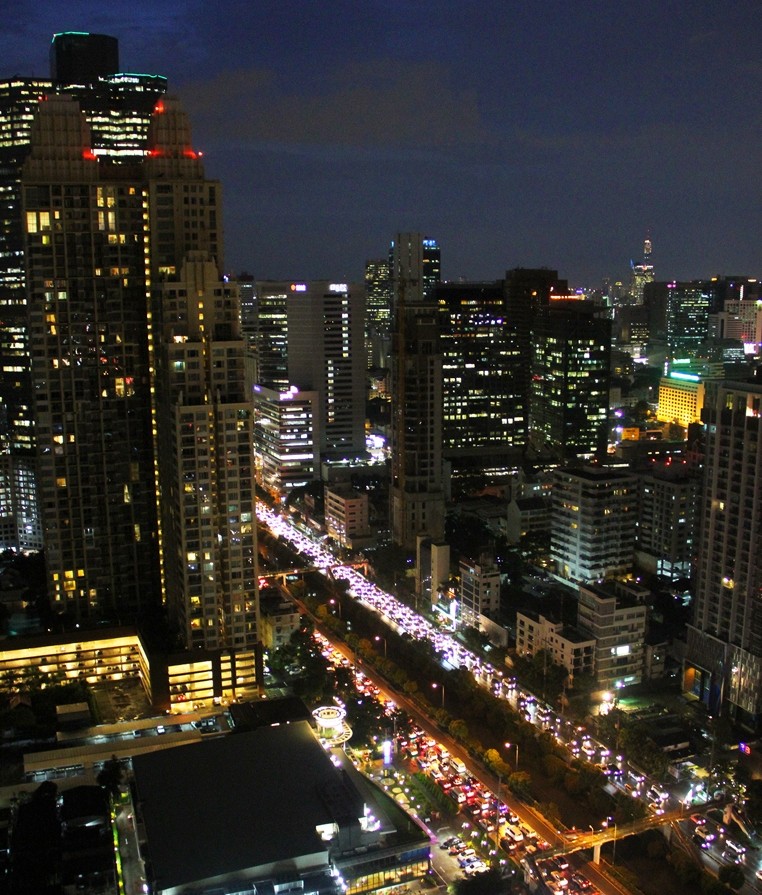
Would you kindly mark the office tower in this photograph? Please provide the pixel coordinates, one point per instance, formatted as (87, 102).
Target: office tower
(270, 334)
(570, 374)
(118, 107)
(378, 311)
(247, 292)
(87, 292)
(309, 394)
(528, 291)
(425, 260)
(286, 438)
(417, 499)
(723, 664)
(594, 522)
(687, 318)
(204, 455)
(667, 521)
(642, 273)
(326, 329)
(484, 420)
(77, 57)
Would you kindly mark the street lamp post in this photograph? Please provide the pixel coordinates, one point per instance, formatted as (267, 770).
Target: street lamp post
(379, 637)
(440, 686)
(497, 820)
(516, 747)
(607, 823)
(337, 604)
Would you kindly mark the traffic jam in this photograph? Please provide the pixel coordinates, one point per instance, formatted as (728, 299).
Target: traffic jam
(489, 831)
(469, 795)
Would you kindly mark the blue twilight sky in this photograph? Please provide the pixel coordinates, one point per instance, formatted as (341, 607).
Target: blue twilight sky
(550, 133)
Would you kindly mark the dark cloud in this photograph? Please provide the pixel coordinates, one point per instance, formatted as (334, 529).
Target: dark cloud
(380, 103)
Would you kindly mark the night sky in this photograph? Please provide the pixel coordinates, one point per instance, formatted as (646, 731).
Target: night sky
(551, 133)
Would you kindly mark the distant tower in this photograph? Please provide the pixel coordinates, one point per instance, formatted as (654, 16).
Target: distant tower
(77, 57)
(569, 402)
(309, 374)
(484, 419)
(642, 273)
(378, 311)
(417, 505)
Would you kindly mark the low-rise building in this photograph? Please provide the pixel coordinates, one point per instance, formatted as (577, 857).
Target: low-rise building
(566, 646)
(346, 516)
(479, 589)
(528, 517)
(269, 811)
(279, 618)
(614, 614)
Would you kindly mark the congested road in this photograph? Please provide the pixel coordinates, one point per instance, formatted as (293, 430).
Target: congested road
(453, 654)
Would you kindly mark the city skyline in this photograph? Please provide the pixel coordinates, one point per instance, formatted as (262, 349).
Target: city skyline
(515, 135)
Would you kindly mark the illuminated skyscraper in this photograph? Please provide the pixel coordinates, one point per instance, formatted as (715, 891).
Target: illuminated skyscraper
(484, 419)
(307, 341)
(417, 505)
(642, 273)
(204, 424)
(378, 311)
(118, 107)
(570, 380)
(723, 663)
(87, 291)
(687, 318)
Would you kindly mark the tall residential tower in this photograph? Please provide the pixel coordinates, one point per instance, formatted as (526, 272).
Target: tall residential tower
(417, 502)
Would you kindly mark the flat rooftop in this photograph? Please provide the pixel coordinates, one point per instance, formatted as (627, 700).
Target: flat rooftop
(243, 801)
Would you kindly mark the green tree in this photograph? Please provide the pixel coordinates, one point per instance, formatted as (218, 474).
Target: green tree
(732, 876)
(110, 776)
(549, 809)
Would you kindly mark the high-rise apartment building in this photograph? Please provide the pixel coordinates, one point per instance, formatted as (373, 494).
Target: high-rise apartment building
(204, 454)
(594, 522)
(484, 420)
(724, 651)
(118, 107)
(571, 358)
(417, 497)
(667, 520)
(85, 230)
